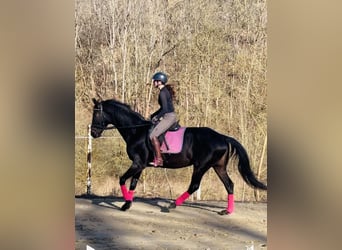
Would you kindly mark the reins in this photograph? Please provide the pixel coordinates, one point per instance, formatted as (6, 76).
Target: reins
(124, 127)
(113, 127)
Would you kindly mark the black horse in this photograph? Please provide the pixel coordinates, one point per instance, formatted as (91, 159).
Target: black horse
(202, 147)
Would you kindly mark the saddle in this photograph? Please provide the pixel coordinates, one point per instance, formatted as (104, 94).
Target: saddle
(171, 141)
(174, 127)
(162, 140)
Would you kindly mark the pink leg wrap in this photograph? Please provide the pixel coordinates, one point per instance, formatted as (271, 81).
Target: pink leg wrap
(230, 207)
(124, 191)
(128, 195)
(182, 198)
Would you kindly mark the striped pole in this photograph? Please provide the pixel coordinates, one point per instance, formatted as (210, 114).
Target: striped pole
(89, 161)
(198, 194)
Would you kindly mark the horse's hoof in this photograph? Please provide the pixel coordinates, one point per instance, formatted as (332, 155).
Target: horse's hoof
(126, 206)
(165, 210)
(172, 205)
(223, 212)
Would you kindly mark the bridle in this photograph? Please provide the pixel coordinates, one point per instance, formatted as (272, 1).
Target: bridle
(104, 127)
(102, 122)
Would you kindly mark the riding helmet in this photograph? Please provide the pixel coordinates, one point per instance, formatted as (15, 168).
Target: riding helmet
(160, 76)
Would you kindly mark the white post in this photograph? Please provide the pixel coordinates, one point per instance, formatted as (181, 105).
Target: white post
(198, 194)
(89, 161)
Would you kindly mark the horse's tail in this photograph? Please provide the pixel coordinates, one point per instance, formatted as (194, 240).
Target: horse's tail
(243, 164)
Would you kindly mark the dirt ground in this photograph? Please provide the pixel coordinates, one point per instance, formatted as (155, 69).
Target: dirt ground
(100, 224)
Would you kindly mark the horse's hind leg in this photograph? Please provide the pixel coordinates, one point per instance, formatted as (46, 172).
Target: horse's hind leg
(228, 184)
(194, 185)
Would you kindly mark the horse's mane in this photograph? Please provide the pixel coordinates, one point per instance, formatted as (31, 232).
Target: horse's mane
(124, 107)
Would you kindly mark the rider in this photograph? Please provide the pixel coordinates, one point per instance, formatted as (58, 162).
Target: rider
(164, 117)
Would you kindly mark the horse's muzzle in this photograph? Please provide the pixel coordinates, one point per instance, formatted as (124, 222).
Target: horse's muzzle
(95, 133)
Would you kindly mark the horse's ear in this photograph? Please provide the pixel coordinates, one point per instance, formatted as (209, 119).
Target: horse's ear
(94, 101)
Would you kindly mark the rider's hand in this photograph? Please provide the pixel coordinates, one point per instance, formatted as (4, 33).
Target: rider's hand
(155, 120)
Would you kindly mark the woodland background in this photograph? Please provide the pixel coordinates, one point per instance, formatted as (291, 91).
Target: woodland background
(214, 52)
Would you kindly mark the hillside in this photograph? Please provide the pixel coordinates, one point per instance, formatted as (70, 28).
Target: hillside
(214, 53)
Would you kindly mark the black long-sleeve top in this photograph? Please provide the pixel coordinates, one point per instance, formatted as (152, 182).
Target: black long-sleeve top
(165, 103)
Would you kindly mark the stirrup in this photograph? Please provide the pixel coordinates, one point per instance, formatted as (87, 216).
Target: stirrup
(156, 163)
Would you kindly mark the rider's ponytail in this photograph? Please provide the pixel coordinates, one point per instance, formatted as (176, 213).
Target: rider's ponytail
(171, 90)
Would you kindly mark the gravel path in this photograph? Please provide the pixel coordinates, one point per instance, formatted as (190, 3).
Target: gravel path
(195, 225)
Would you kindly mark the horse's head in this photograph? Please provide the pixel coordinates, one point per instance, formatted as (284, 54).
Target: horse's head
(99, 121)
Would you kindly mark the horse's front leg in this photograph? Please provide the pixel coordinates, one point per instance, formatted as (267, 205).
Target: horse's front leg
(134, 171)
